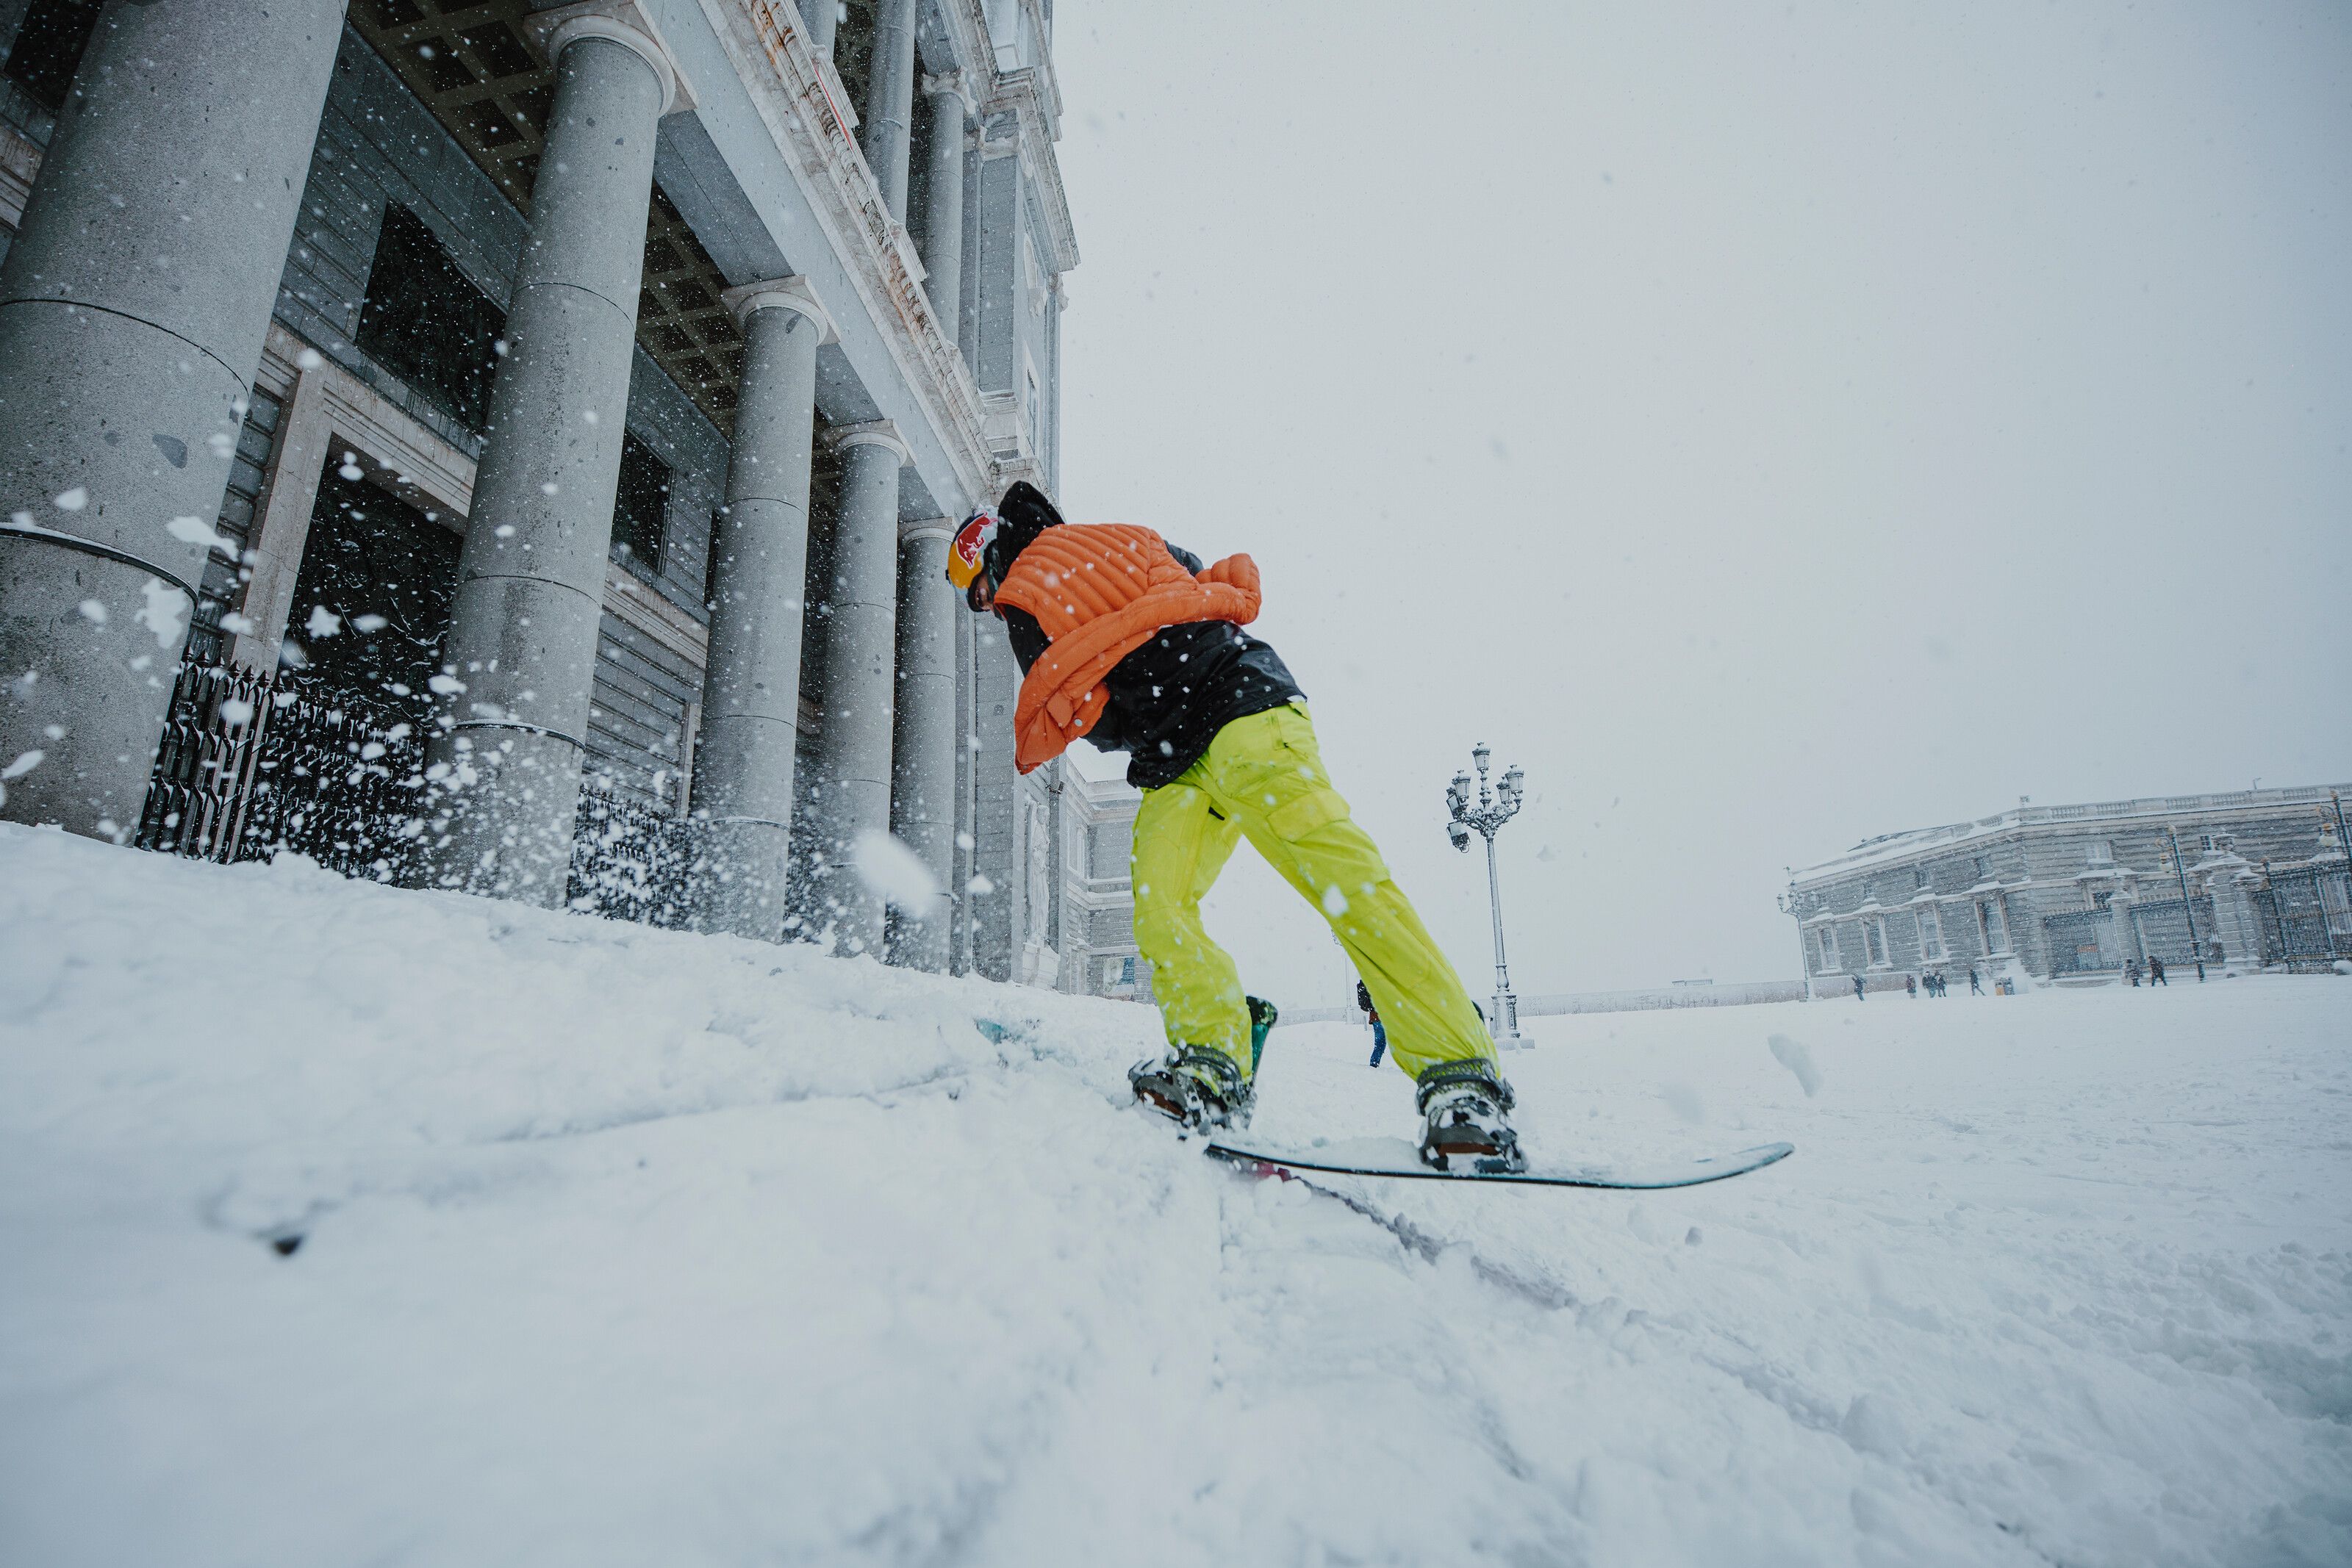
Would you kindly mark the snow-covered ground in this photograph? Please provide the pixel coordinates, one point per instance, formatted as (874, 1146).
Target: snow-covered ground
(620, 1247)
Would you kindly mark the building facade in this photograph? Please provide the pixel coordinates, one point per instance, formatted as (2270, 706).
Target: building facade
(1077, 901)
(2249, 880)
(512, 447)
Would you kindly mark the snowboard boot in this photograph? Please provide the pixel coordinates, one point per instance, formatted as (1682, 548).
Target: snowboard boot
(1261, 1015)
(1466, 1109)
(1197, 1088)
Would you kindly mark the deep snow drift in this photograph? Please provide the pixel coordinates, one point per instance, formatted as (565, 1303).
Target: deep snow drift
(621, 1247)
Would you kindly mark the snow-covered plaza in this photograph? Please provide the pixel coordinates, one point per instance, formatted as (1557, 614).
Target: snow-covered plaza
(623, 1247)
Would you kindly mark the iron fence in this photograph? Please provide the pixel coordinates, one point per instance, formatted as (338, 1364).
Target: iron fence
(2082, 943)
(632, 861)
(2086, 942)
(2166, 932)
(2305, 917)
(251, 764)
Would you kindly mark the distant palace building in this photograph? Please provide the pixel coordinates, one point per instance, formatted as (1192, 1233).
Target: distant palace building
(2077, 892)
(512, 445)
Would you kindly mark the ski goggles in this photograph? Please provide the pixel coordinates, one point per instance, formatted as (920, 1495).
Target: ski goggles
(969, 551)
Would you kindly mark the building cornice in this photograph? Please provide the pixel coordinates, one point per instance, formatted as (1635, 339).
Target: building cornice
(763, 41)
(1019, 94)
(1049, 85)
(1924, 844)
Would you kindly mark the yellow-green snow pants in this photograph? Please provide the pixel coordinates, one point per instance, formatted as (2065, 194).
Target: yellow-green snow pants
(1263, 777)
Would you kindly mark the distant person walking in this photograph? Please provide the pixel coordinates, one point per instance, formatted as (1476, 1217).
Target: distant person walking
(1857, 989)
(1372, 1014)
(2155, 973)
(1976, 982)
(1911, 986)
(2131, 972)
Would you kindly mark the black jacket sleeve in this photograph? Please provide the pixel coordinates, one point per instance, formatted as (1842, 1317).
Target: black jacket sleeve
(1028, 639)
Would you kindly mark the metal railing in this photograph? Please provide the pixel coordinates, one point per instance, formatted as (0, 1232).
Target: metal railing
(633, 861)
(2305, 917)
(252, 764)
(2085, 941)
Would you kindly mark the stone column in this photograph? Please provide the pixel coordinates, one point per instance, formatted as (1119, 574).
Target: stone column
(822, 16)
(860, 646)
(2238, 925)
(943, 209)
(922, 744)
(889, 102)
(531, 582)
(2126, 927)
(132, 309)
(758, 572)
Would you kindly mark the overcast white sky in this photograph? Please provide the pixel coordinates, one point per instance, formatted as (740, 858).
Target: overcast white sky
(1770, 426)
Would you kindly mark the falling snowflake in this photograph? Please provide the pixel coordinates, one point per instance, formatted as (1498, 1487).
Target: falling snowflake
(165, 615)
(196, 532)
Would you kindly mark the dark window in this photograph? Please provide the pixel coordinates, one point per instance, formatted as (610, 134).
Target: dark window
(383, 573)
(425, 322)
(48, 48)
(641, 510)
(852, 55)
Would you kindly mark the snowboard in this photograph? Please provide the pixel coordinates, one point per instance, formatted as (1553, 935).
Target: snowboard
(1397, 1157)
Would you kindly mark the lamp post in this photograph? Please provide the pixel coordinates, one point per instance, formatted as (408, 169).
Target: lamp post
(1791, 906)
(2188, 910)
(1495, 806)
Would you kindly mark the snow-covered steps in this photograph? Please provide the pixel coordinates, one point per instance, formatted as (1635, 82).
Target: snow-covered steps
(620, 1246)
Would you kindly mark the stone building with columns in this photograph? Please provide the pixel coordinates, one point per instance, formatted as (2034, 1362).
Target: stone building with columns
(2078, 894)
(1075, 909)
(567, 404)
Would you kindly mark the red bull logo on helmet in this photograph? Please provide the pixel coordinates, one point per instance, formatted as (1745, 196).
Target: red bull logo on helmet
(970, 548)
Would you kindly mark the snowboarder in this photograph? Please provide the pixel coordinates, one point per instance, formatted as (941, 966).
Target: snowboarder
(1857, 989)
(1372, 1016)
(1130, 642)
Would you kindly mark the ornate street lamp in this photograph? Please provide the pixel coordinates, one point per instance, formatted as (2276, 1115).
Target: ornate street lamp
(1494, 809)
(2188, 907)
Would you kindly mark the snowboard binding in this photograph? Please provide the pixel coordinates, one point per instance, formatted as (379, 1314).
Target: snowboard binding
(1195, 1088)
(1466, 1109)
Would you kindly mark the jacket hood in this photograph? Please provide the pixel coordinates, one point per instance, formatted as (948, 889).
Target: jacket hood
(1026, 513)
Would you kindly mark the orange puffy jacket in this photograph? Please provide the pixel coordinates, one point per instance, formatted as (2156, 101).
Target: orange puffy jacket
(1099, 590)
